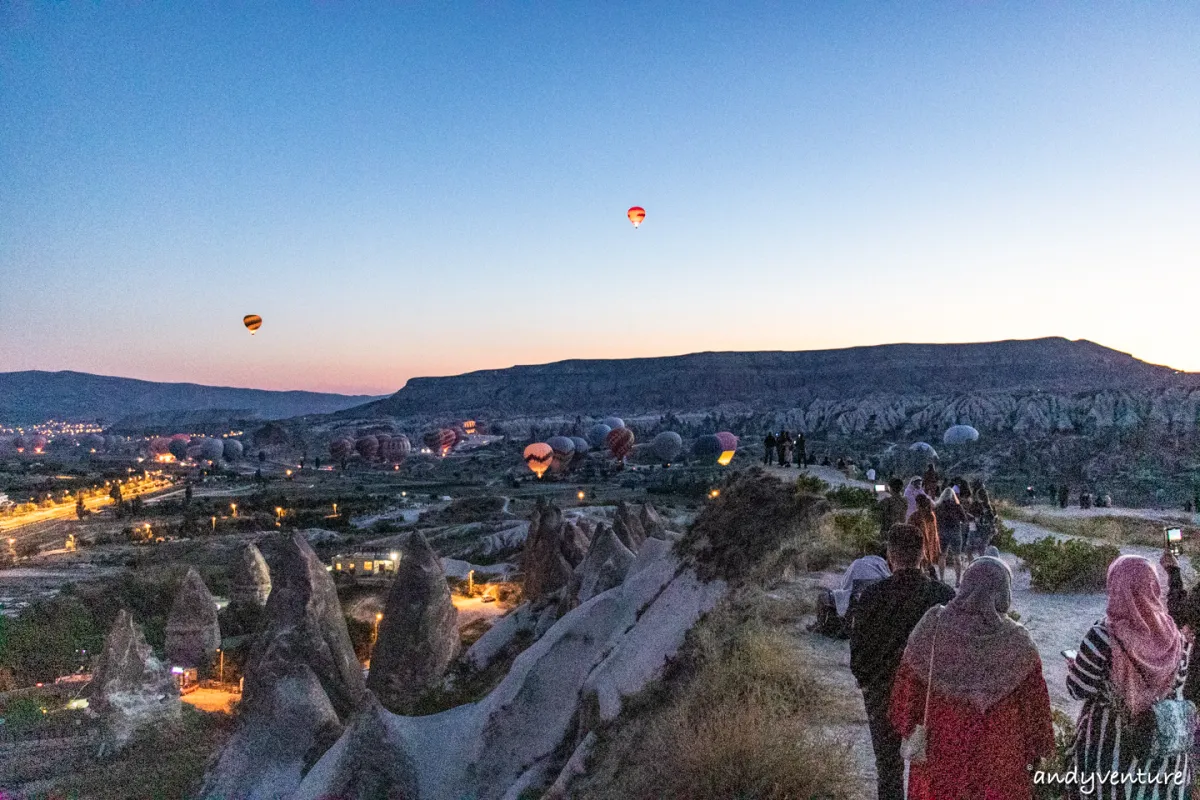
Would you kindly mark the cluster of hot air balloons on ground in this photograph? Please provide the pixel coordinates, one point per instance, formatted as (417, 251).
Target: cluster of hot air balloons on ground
(198, 448)
(32, 443)
(395, 448)
(636, 215)
(560, 453)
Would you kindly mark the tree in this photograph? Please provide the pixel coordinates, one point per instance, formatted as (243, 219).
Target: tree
(50, 639)
(80, 509)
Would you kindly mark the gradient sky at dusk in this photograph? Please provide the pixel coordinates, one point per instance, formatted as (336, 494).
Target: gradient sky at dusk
(419, 189)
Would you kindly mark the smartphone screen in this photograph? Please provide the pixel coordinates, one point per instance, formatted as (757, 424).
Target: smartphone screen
(1174, 535)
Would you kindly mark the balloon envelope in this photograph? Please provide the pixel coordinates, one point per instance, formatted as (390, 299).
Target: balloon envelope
(252, 322)
(440, 441)
(707, 448)
(598, 434)
(619, 442)
(613, 422)
(233, 449)
(212, 449)
(396, 449)
(581, 450)
(960, 434)
(636, 215)
(367, 447)
(564, 451)
(924, 448)
(538, 457)
(341, 448)
(179, 448)
(668, 445)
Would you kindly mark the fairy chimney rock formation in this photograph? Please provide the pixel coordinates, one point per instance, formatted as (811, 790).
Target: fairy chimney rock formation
(418, 637)
(251, 579)
(545, 567)
(193, 632)
(130, 687)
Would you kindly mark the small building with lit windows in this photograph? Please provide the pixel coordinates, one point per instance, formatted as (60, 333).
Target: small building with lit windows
(366, 565)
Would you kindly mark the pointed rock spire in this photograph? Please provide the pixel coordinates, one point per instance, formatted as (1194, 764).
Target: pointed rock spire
(193, 630)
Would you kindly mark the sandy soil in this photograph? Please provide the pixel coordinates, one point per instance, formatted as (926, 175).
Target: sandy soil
(212, 700)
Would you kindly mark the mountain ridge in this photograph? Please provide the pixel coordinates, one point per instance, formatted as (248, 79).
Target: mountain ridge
(30, 396)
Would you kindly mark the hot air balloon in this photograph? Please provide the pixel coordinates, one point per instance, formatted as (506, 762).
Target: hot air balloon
(179, 448)
(395, 449)
(440, 441)
(729, 446)
(564, 452)
(160, 446)
(233, 450)
(37, 443)
(19, 444)
(960, 434)
(93, 441)
(924, 448)
(539, 457)
(619, 442)
(581, 450)
(613, 423)
(211, 449)
(341, 449)
(367, 447)
(636, 215)
(667, 445)
(252, 322)
(597, 434)
(708, 449)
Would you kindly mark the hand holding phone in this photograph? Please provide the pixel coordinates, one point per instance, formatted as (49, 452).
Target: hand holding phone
(1174, 538)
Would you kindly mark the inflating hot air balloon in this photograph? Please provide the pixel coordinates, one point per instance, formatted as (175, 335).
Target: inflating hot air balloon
(636, 215)
(93, 441)
(729, 446)
(233, 450)
(19, 444)
(160, 446)
(178, 448)
(924, 448)
(367, 447)
(619, 442)
(613, 422)
(440, 441)
(581, 450)
(539, 457)
(960, 434)
(37, 443)
(341, 449)
(211, 449)
(597, 434)
(395, 449)
(707, 449)
(564, 451)
(667, 445)
(252, 322)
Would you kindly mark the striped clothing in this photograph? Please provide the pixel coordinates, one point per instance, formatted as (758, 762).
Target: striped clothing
(1097, 749)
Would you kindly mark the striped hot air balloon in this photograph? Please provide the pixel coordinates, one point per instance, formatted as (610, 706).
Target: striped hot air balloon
(636, 215)
(396, 449)
(440, 441)
(252, 322)
(538, 457)
(564, 451)
(341, 449)
(619, 442)
(367, 447)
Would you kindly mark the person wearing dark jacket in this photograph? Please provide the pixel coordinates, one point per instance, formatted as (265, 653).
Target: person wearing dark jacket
(885, 615)
(1184, 608)
(770, 444)
(893, 509)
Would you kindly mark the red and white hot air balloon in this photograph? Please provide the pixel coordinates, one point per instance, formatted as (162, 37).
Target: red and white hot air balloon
(636, 215)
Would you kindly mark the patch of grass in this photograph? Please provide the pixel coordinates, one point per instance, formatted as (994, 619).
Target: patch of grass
(852, 497)
(1070, 565)
(810, 484)
(858, 531)
(739, 718)
(1116, 530)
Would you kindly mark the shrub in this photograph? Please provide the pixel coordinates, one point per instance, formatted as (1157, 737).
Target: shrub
(1069, 565)
(747, 524)
(811, 484)
(859, 532)
(852, 497)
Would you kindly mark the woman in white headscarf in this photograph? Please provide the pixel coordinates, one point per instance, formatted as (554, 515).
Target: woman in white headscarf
(833, 605)
(974, 678)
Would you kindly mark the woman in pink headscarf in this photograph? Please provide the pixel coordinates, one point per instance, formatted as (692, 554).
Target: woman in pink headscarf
(1128, 661)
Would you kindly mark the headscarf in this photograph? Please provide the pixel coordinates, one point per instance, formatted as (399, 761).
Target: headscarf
(982, 656)
(1147, 645)
(861, 569)
(947, 496)
(910, 494)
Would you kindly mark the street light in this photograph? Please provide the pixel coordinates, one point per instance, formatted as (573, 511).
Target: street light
(233, 507)
(278, 515)
(375, 632)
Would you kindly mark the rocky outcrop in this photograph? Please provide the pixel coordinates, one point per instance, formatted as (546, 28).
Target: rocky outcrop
(251, 584)
(131, 689)
(302, 684)
(418, 637)
(365, 764)
(193, 631)
(543, 563)
(575, 541)
(605, 565)
(519, 736)
(628, 527)
(654, 524)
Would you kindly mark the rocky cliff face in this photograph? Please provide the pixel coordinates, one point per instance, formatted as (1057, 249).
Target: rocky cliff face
(193, 631)
(130, 688)
(774, 380)
(251, 578)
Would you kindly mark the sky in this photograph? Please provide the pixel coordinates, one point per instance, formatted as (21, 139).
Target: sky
(406, 189)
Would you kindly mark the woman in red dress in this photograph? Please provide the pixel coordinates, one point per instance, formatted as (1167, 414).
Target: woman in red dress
(988, 716)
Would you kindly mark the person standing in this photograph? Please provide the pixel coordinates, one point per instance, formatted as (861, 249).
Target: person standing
(784, 444)
(930, 481)
(801, 449)
(1063, 495)
(893, 508)
(925, 520)
(952, 522)
(769, 443)
(885, 614)
(1127, 662)
(973, 677)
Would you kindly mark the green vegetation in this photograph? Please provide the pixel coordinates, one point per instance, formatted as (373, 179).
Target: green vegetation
(1069, 565)
(852, 497)
(50, 639)
(740, 716)
(1113, 529)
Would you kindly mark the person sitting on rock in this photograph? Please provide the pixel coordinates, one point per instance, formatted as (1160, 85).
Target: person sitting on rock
(835, 607)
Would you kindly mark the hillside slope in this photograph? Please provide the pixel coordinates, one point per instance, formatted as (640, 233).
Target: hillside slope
(33, 396)
(769, 380)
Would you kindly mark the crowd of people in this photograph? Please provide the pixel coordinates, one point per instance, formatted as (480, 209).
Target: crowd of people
(953, 684)
(782, 448)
